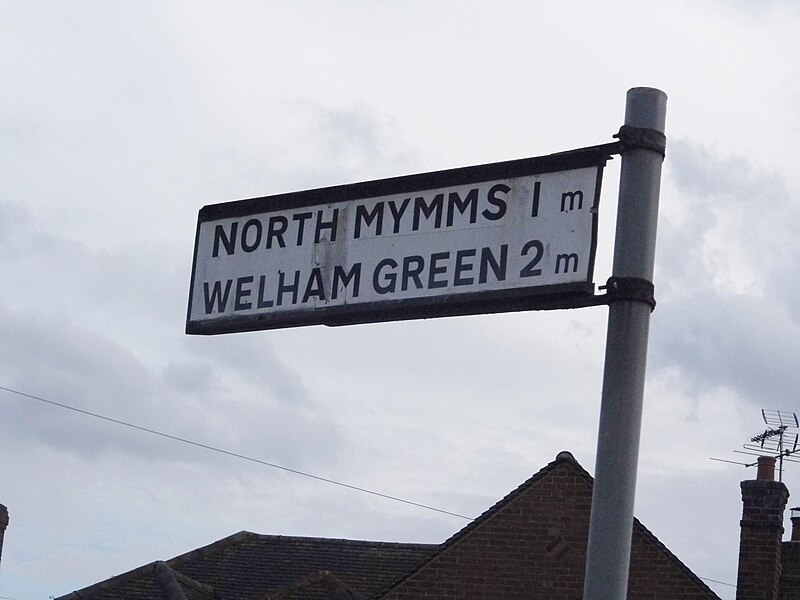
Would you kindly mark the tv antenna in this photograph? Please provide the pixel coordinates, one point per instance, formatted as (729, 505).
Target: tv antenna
(777, 441)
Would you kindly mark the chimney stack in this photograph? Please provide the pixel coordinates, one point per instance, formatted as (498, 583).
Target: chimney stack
(3, 525)
(764, 500)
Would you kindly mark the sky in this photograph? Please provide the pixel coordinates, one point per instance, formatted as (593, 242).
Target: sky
(120, 120)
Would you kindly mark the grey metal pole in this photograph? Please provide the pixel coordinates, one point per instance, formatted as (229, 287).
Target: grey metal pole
(611, 521)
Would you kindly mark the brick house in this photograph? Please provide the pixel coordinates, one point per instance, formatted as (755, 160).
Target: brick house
(530, 545)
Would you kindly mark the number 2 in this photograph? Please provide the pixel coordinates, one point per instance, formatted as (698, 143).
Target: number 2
(529, 270)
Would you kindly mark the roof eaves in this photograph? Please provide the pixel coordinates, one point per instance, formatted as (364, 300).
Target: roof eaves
(173, 563)
(109, 583)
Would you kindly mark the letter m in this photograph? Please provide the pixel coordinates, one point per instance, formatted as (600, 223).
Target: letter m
(454, 202)
(571, 197)
(363, 214)
(566, 260)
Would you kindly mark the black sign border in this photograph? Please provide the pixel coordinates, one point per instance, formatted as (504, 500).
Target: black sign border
(561, 296)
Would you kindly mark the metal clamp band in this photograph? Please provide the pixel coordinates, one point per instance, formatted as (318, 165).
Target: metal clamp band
(630, 288)
(641, 137)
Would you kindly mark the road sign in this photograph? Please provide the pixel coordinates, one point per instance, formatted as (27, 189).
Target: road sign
(515, 235)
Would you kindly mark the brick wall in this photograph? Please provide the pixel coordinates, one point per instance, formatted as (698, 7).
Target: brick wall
(790, 571)
(534, 547)
(760, 539)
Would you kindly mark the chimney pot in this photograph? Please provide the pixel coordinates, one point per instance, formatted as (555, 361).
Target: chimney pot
(795, 518)
(766, 468)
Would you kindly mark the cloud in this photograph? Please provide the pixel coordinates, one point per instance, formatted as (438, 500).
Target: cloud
(724, 265)
(71, 331)
(748, 344)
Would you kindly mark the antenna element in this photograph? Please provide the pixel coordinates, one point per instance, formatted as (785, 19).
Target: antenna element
(778, 441)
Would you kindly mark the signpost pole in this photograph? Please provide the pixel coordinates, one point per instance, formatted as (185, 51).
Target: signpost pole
(611, 524)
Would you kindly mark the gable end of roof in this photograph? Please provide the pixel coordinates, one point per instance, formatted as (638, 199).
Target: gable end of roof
(562, 458)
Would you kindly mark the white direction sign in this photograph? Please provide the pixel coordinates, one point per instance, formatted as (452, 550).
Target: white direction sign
(507, 236)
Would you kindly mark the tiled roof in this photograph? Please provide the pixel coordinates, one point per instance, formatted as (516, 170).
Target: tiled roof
(323, 585)
(153, 581)
(253, 565)
(176, 586)
(250, 566)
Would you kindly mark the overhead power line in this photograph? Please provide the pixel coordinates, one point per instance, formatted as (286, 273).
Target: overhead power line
(719, 582)
(233, 454)
(255, 460)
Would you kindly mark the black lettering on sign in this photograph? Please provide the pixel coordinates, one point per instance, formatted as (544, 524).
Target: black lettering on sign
(301, 218)
(215, 294)
(228, 241)
(251, 241)
(362, 214)
(436, 269)
(537, 188)
(566, 260)
(291, 288)
(384, 283)
(427, 209)
(488, 261)
(454, 201)
(262, 285)
(397, 213)
(529, 270)
(412, 267)
(242, 293)
(462, 267)
(277, 227)
(340, 277)
(322, 225)
(572, 197)
(498, 203)
(314, 286)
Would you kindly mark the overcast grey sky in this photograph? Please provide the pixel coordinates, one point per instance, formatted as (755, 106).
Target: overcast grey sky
(119, 120)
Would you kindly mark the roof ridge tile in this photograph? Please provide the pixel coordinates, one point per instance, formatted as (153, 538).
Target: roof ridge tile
(214, 547)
